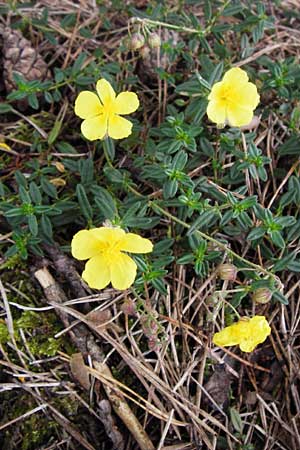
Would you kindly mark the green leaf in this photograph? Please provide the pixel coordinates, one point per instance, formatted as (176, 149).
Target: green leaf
(114, 175)
(109, 146)
(78, 63)
(236, 420)
(277, 239)
(160, 285)
(86, 170)
(105, 202)
(141, 222)
(203, 220)
(188, 258)
(54, 133)
(217, 73)
(24, 195)
(283, 262)
(204, 83)
(286, 221)
(294, 232)
(14, 212)
(232, 10)
(46, 226)
(84, 203)
(290, 147)
(280, 298)
(5, 108)
(207, 147)
(33, 224)
(179, 161)
(35, 193)
(170, 188)
(20, 179)
(294, 266)
(256, 233)
(48, 97)
(65, 147)
(33, 100)
(48, 188)
(226, 218)
(237, 298)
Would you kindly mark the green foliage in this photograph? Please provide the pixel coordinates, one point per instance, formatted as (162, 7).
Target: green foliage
(203, 195)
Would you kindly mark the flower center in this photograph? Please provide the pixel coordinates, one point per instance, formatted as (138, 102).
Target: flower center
(225, 94)
(111, 250)
(109, 107)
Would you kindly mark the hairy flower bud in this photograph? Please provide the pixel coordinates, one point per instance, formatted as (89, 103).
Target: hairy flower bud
(262, 295)
(154, 40)
(227, 272)
(137, 41)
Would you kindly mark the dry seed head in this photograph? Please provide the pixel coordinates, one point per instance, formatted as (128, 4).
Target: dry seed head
(262, 295)
(137, 41)
(227, 272)
(154, 40)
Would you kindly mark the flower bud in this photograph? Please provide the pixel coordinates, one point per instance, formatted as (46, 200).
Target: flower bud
(227, 272)
(137, 41)
(262, 295)
(145, 51)
(154, 40)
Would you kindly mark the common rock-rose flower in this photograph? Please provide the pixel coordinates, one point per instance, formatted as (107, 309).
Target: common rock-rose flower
(102, 112)
(247, 333)
(233, 100)
(104, 248)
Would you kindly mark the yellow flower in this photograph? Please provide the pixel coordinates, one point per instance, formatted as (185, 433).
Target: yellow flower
(247, 333)
(102, 112)
(233, 99)
(107, 263)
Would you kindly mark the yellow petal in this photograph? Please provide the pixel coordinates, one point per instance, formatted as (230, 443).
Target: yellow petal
(118, 127)
(87, 105)
(126, 103)
(216, 112)
(248, 96)
(94, 127)
(247, 333)
(123, 271)
(97, 272)
(216, 91)
(239, 116)
(235, 76)
(259, 330)
(229, 336)
(105, 91)
(108, 235)
(260, 323)
(85, 245)
(248, 345)
(134, 243)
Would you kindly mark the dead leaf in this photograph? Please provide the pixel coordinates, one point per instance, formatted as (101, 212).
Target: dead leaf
(102, 320)
(79, 372)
